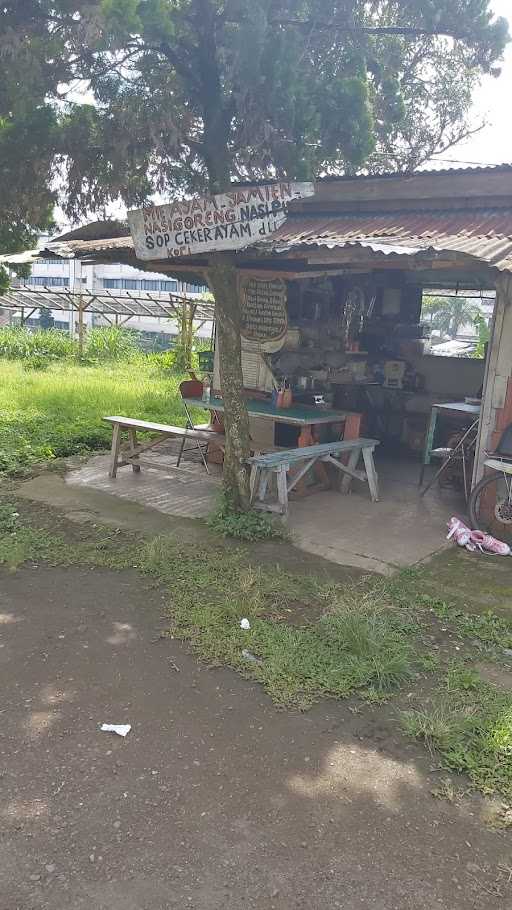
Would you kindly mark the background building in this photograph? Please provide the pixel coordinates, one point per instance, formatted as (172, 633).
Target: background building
(158, 333)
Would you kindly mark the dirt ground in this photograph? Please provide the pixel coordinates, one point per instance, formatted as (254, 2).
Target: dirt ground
(215, 799)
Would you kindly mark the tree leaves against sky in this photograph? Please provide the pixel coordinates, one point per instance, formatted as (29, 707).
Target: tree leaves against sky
(189, 94)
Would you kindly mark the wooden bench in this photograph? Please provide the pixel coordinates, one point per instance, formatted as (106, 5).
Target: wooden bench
(330, 453)
(119, 457)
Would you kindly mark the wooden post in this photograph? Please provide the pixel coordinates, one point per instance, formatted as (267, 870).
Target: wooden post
(496, 410)
(114, 450)
(80, 328)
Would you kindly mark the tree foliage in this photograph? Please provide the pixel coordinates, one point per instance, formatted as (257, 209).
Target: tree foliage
(186, 95)
(450, 314)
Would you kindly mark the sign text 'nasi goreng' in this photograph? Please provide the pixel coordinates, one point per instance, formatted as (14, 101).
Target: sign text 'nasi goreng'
(205, 224)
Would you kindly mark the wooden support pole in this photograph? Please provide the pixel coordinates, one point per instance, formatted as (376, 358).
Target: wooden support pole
(496, 410)
(80, 328)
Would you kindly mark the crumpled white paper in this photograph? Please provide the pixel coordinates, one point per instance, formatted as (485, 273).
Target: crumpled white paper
(120, 729)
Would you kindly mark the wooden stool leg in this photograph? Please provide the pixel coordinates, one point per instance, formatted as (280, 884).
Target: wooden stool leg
(263, 484)
(253, 482)
(282, 488)
(132, 436)
(352, 464)
(114, 450)
(371, 474)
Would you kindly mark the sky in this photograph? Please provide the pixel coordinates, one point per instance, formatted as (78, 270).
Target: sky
(493, 144)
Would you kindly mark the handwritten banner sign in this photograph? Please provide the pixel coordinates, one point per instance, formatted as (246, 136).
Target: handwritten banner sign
(230, 221)
(264, 316)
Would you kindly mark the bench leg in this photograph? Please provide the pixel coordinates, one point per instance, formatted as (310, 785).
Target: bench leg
(263, 485)
(352, 465)
(282, 488)
(114, 450)
(132, 436)
(371, 474)
(253, 482)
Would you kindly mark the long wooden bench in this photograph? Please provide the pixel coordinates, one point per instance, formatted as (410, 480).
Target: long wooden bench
(330, 453)
(201, 439)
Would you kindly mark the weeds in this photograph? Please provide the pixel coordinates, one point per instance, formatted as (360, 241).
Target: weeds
(251, 526)
(487, 630)
(471, 729)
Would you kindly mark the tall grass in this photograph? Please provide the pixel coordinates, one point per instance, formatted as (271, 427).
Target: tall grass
(17, 343)
(59, 412)
(105, 343)
(110, 343)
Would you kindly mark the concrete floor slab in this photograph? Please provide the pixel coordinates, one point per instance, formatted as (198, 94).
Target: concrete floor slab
(185, 491)
(401, 530)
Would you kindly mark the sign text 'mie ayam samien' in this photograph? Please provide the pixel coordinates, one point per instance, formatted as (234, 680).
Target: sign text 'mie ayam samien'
(204, 224)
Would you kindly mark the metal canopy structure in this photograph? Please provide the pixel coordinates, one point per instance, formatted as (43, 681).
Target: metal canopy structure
(169, 306)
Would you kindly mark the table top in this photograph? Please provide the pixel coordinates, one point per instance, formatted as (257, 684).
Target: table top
(460, 406)
(300, 415)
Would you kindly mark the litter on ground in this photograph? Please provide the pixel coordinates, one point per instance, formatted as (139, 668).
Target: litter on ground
(120, 729)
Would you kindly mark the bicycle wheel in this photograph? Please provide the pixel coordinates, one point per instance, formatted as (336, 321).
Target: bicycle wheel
(490, 506)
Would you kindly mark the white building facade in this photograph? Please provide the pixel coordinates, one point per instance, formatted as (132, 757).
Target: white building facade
(114, 279)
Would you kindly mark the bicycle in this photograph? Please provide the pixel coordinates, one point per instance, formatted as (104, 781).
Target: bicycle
(490, 502)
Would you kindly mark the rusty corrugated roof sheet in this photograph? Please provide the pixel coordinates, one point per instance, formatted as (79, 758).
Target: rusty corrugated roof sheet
(69, 248)
(485, 235)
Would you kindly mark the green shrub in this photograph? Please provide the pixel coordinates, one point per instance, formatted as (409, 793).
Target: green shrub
(110, 343)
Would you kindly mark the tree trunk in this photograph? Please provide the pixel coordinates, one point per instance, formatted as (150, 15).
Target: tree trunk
(223, 282)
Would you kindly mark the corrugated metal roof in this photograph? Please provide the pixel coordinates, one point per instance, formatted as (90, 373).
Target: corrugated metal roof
(68, 248)
(485, 235)
(424, 172)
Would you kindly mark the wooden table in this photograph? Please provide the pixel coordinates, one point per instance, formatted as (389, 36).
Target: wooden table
(298, 415)
(453, 408)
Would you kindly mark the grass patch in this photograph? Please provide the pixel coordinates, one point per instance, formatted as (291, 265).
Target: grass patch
(353, 646)
(469, 724)
(58, 412)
